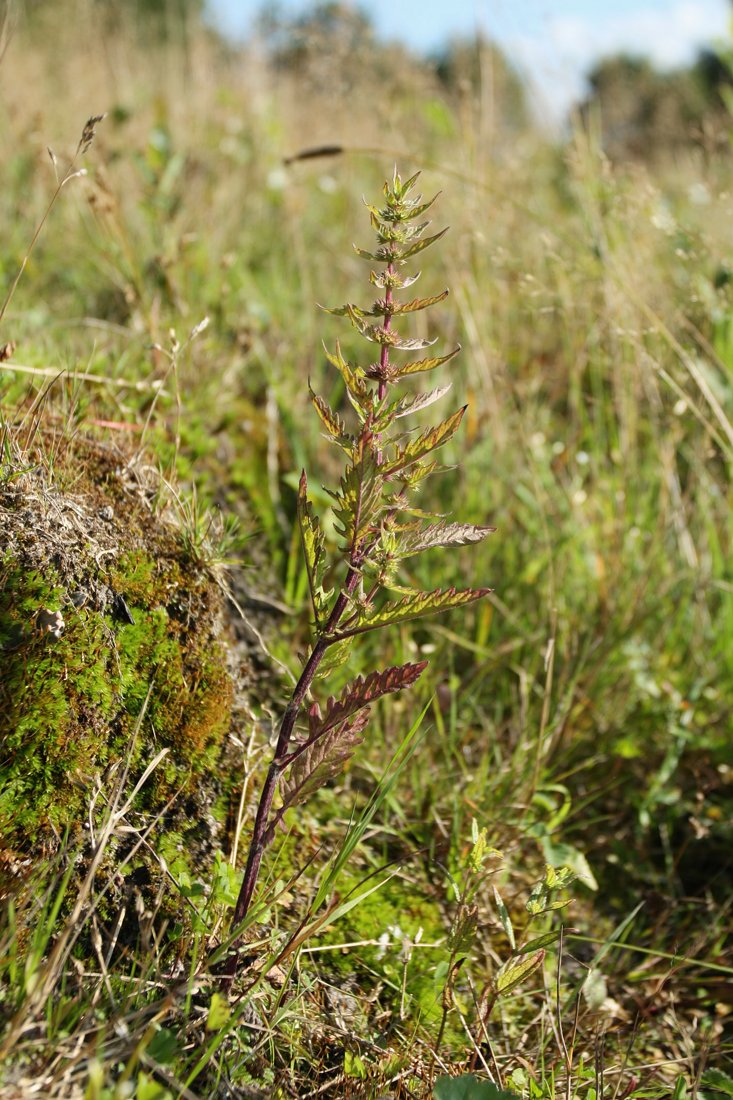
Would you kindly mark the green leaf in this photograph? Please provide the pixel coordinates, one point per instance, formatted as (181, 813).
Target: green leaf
(679, 1091)
(315, 553)
(164, 1046)
(506, 921)
(422, 365)
(539, 941)
(407, 405)
(359, 497)
(332, 422)
(468, 1087)
(365, 255)
(147, 1088)
(218, 1014)
(594, 989)
(428, 441)
(421, 207)
(359, 393)
(383, 308)
(516, 971)
(337, 655)
(419, 303)
(570, 859)
(413, 606)
(716, 1079)
(354, 1066)
(420, 245)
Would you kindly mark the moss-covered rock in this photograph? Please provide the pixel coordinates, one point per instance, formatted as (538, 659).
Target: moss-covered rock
(104, 617)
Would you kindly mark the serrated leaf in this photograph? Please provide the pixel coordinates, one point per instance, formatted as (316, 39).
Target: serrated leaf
(716, 1079)
(428, 441)
(397, 503)
(422, 244)
(358, 499)
(406, 343)
(405, 406)
(442, 534)
(414, 606)
(421, 207)
(422, 365)
(419, 471)
(420, 401)
(337, 655)
(322, 759)
(385, 337)
(553, 906)
(358, 391)
(411, 232)
(332, 422)
(420, 303)
(516, 971)
(465, 926)
(384, 308)
(366, 690)
(314, 551)
(407, 185)
(506, 920)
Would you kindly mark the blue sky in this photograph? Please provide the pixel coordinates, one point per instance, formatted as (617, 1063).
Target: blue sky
(556, 40)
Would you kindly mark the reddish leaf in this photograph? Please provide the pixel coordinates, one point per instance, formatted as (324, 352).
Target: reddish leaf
(363, 691)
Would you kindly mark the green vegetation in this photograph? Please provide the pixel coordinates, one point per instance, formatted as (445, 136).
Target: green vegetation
(522, 876)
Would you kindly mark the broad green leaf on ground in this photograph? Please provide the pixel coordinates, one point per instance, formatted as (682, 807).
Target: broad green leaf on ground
(517, 970)
(716, 1079)
(566, 855)
(468, 1087)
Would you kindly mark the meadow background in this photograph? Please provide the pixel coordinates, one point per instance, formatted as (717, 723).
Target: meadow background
(581, 716)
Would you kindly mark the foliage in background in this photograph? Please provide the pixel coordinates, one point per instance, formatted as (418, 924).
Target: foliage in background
(581, 712)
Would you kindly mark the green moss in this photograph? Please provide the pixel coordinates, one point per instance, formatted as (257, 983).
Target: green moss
(69, 704)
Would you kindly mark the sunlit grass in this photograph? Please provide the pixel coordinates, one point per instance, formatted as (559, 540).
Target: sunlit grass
(582, 716)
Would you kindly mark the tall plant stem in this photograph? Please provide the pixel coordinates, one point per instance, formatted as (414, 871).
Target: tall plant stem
(258, 842)
(261, 831)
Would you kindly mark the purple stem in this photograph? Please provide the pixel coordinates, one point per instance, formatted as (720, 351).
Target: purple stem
(262, 832)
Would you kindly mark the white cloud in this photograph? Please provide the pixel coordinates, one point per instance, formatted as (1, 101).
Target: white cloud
(669, 36)
(557, 60)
